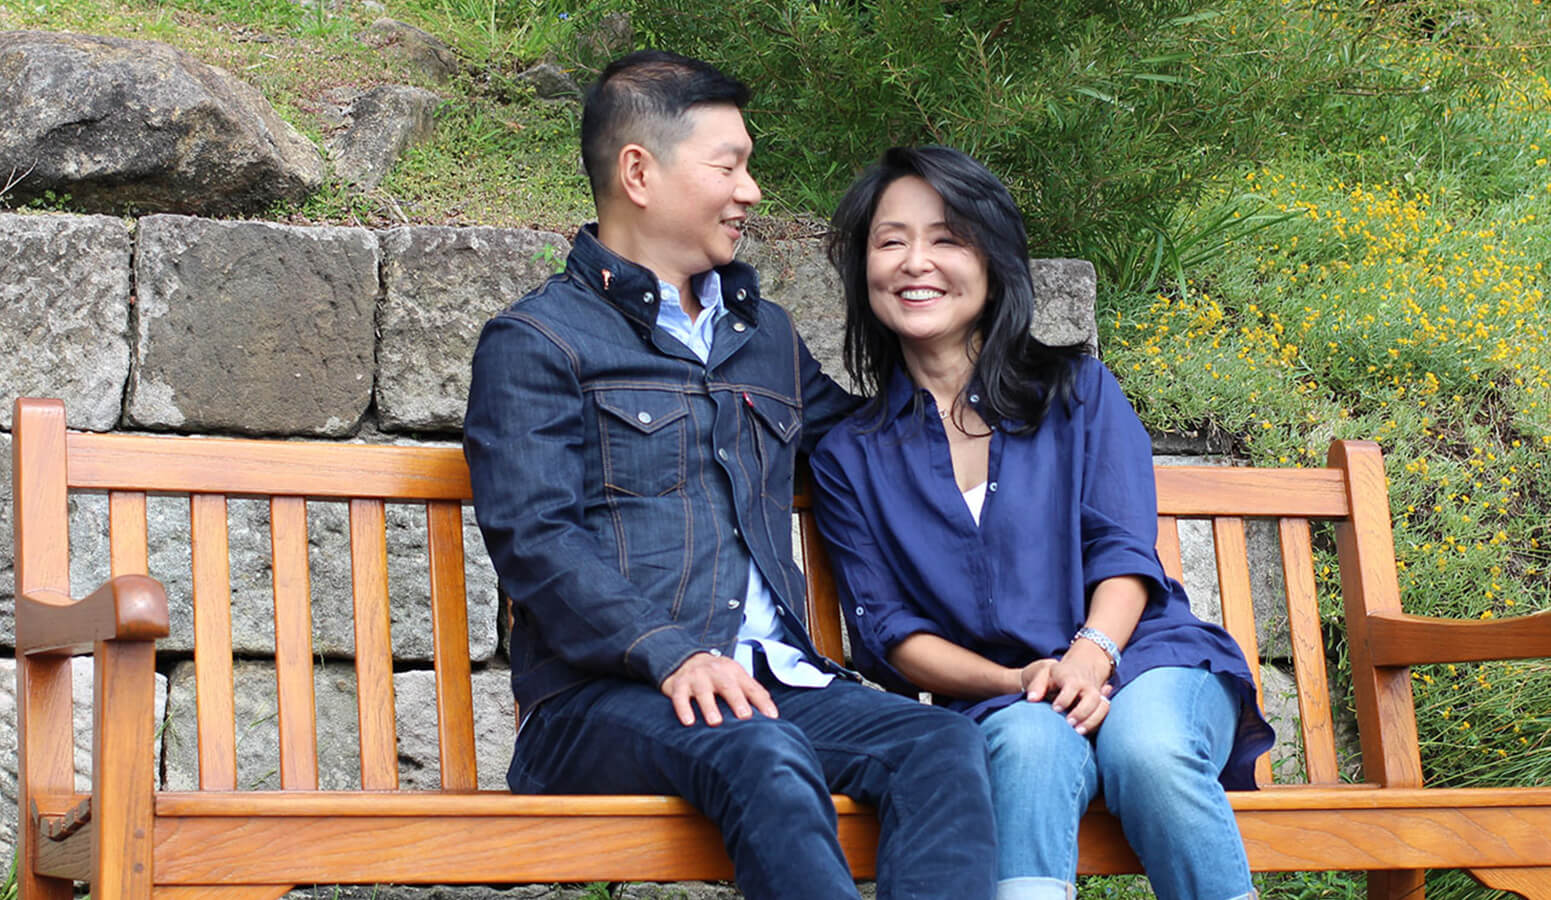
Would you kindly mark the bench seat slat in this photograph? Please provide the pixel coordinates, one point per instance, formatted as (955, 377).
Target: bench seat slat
(293, 644)
(373, 645)
(213, 684)
(680, 846)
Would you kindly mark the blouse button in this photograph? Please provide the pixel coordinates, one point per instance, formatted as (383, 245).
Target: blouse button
(991, 487)
(974, 398)
(859, 611)
(644, 417)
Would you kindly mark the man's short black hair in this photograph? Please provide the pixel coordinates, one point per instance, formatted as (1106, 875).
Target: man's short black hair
(644, 98)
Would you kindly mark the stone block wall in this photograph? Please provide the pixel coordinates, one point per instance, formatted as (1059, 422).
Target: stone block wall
(219, 328)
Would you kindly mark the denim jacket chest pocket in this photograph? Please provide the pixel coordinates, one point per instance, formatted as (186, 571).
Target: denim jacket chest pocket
(642, 436)
(779, 423)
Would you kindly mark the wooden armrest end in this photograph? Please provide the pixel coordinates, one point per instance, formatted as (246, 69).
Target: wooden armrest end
(1401, 639)
(126, 608)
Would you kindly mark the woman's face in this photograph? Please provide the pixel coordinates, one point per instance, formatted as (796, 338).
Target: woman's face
(925, 283)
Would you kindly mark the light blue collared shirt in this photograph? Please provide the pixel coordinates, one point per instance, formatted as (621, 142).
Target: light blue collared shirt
(761, 628)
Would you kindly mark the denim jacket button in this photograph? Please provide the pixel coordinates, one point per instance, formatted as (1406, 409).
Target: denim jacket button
(714, 652)
(733, 604)
(644, 417)
(739, 326)
(647, 297)
(737, 533)
(742, 295)
(722, 454)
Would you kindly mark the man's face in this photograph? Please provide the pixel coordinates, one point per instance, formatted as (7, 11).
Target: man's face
(702, 191)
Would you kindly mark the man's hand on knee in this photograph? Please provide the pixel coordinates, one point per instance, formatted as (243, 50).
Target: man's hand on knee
(702, 678)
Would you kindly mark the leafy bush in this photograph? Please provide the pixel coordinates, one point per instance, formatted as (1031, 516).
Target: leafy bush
(1105, 118)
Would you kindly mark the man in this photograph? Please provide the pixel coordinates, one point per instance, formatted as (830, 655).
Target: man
(631, 432)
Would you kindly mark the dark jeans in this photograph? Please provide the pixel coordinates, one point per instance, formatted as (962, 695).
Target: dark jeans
(766, 782)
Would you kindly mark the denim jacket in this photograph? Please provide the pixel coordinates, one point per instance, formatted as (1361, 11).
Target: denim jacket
(621, 485)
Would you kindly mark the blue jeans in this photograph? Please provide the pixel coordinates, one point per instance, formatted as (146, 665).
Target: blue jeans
(766, 782)
(1156, 755)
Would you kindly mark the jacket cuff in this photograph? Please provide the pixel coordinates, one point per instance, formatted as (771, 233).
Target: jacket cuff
(658, 653)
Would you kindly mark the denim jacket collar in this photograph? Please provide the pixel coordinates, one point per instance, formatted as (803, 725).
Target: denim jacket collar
(632, 288)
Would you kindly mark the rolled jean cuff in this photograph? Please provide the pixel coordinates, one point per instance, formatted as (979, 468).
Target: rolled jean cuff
(1035, 888)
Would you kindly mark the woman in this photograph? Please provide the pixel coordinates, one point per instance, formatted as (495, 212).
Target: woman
(991, 515)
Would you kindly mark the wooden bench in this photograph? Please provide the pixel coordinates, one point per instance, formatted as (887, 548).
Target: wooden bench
(131, 840)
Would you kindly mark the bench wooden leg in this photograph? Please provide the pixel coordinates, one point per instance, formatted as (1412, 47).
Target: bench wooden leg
(1405, 884)
(43, 714)
(123, 769)
(1531, 884)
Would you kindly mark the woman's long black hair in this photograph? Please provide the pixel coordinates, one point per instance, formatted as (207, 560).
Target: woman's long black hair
(1018, 376)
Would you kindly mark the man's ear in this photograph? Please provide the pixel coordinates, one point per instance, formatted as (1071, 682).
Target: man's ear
(633, 173)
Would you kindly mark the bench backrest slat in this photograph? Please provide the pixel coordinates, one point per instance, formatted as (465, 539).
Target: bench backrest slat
(1238, 606)
(823, 600)
(373, 646)
(293, 644)
(262, 468)
(450, 630)
(1308, 650)
(1168, 547)
(213, 686)
(127, 532)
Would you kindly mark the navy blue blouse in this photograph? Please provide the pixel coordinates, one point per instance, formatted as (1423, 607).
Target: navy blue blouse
(1066, 507)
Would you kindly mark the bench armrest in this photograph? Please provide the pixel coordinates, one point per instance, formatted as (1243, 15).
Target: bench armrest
(1400, 639)
(126, 608)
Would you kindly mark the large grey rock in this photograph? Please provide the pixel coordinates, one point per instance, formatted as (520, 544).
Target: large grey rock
(796, 274)
(338, 734)
(1198, 560)
(81, 691)
(495, 728)
(1065, 292)
(681, 890)
(384, 122)
(1279, 702)
(444, 892)
(441, 285)
(252, 591)
(550, 82)
(64, 312)
(138, 125)
(421, 51)
(252, 327)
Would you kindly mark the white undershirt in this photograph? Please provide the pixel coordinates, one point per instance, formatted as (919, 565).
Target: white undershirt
(976, 498)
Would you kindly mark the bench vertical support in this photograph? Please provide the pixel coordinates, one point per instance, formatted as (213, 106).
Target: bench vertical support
(45, 735)
(123, 769)
(1386, 716)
